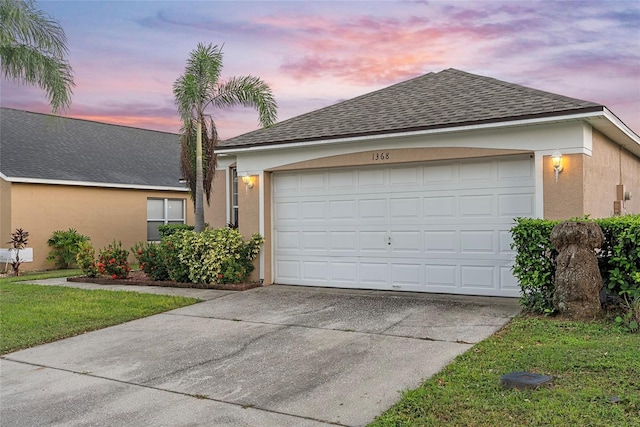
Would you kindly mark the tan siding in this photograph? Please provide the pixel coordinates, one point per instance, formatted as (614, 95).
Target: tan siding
(249, 214)
(630, 171)
(215, 214)
(103, 214)
(563, 199)
(610, 165)
(5, 212)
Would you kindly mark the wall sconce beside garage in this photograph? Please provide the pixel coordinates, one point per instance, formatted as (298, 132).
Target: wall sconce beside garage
(556, 160)
(247, 179)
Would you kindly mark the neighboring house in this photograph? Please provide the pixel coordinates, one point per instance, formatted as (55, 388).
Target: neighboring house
(415, 187)
(106, 181)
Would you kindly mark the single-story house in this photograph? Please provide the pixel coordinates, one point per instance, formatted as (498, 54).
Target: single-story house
(415, 187)
(106, 181)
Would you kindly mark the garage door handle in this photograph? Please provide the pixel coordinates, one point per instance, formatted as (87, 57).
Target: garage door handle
(389, 240)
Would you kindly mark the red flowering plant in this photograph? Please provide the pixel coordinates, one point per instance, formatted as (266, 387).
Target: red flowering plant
(113, 261)
(151, 258)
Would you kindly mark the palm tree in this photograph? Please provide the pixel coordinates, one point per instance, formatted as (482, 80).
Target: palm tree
(196, 90)
(33, 48)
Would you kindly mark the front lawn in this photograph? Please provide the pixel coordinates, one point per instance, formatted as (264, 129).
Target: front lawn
(596, 367)
(35, 314)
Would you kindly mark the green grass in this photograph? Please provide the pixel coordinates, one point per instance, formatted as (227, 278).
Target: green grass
(590, 362)
(35, 314)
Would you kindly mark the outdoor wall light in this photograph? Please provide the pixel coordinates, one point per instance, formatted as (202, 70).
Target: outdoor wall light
(248, 181)
(556, 160)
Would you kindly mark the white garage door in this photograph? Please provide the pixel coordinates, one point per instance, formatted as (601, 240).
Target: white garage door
(428, 227)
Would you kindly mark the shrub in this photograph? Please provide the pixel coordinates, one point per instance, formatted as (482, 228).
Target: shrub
(535, 263)
(86, 259)
(152, 260)
(534, 266)
(113, 261)
(213, 256)
(169, 229)
(65, 246)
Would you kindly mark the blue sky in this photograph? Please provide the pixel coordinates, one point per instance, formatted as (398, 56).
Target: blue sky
(127, 54)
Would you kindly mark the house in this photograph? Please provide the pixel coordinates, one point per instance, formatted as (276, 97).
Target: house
(415, 187)
(106, 181)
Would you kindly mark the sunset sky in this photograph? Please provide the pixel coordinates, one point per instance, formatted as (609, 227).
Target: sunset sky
(127, 54)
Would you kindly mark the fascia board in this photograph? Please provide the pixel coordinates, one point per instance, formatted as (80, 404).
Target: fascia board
(514, 123)
(91, 184)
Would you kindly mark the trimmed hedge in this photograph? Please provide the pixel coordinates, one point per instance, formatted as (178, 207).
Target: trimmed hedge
(535, 262)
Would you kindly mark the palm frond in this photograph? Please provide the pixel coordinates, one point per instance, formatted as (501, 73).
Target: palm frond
(33, 48)
(248, 91)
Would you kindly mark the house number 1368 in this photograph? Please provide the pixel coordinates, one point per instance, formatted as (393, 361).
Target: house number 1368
(380, 156)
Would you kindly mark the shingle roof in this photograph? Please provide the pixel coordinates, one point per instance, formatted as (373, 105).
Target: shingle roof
(44, 147)
(436, 100)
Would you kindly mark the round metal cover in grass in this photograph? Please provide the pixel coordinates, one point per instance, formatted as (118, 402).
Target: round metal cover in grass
(522, 380)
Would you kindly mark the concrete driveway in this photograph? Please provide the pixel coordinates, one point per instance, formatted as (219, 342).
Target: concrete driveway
(273, 356)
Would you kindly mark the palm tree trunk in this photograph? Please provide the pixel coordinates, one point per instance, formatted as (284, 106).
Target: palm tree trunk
(199, 199)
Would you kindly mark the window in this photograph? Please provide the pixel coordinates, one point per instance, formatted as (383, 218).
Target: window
(234, 197)
(161, 212)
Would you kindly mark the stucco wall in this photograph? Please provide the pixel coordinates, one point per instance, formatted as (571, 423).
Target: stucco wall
(609, 166)
(103, 214)
(215, 214)
(249, 214)
(5, 212)
(565, 198)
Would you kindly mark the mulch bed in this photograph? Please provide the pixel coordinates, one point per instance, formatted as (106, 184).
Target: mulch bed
(140, 279)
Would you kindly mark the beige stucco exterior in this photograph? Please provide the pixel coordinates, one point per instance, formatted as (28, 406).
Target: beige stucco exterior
(215, 213)
(103, 214)
(587, 183)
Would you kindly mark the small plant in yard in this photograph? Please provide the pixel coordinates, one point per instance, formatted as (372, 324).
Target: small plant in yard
(19, 239)
(86, 259)
(630, 305)
(151, 258)
(113, 261)
(65, 247)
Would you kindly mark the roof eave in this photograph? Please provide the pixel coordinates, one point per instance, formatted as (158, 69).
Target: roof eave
(25, 180)
(584, 113)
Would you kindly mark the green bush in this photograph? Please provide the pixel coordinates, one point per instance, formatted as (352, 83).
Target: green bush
(86, 259)
(213, 256)
(169, 229)
(535, 263)
(113, 261)
(65, 247)
(151, 258)
(534, 266)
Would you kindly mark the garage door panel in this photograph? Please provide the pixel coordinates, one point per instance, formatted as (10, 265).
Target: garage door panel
(477, 205)
(373, 241)
(372, 209)
(441, 275)
(514, 205)
(288, 270)
(312, 211)
(406, 274)
(313, 240)
(374, 273)
(315, 270)
(478, 276)
(513, 169)
(477, 241)
(435, 227)
(442, 206)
